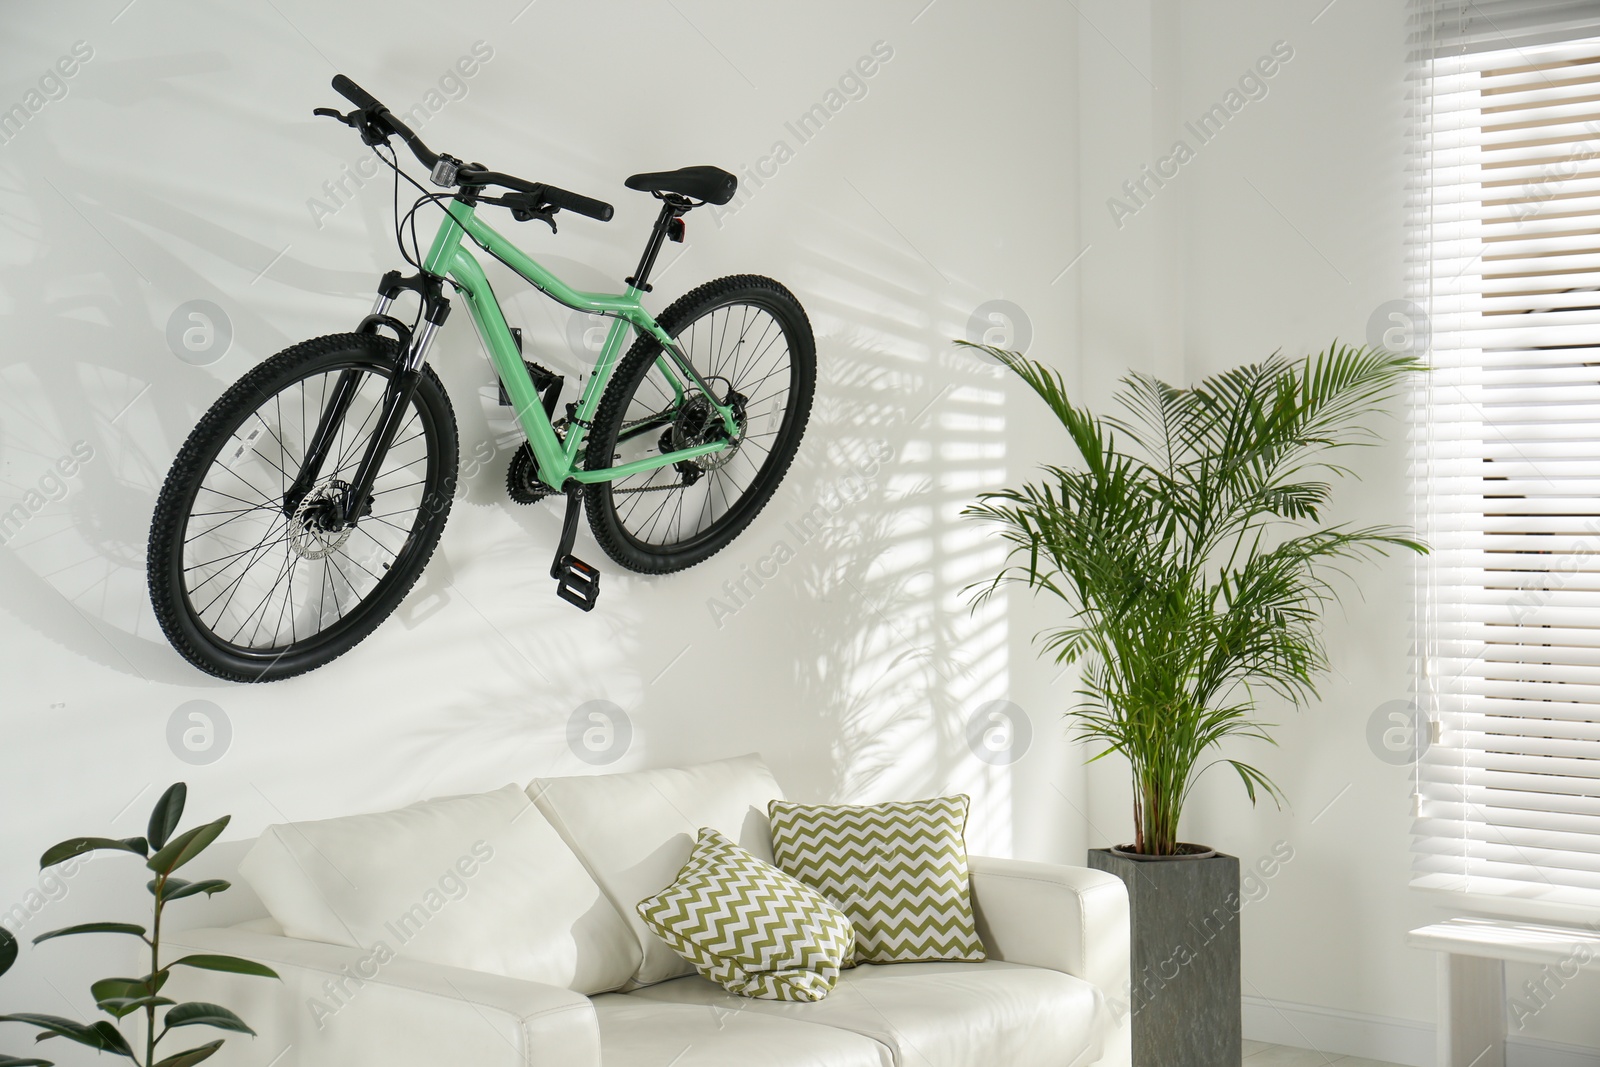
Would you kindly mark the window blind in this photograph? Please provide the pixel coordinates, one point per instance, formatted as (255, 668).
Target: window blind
(1457, 27)
(1506, 258)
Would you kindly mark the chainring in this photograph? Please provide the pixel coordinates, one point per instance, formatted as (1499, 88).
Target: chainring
(522, 478)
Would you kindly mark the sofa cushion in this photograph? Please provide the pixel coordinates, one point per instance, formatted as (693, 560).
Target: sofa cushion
(482, 882)
(749, 927)
(634, 831)
(939, 1014)
(898, 870)
(644, 1033)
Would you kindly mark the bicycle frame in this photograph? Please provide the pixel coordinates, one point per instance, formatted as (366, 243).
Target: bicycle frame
(558, 459)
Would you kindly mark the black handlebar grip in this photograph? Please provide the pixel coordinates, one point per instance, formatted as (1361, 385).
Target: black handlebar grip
(355, 94)
(583, 205)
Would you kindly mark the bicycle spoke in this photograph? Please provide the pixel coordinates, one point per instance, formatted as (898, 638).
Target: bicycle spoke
(242, 552)
(288, 598)
(352, 559)
(237, 514)
(288, 567)
(240, 499)
(234, 586)
(265, 497)
(283, 474)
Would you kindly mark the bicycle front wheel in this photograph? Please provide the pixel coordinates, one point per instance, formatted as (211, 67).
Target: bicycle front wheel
(251, 584)
(750, 341)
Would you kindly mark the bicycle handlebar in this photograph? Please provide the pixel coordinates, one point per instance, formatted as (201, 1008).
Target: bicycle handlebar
(467, 174)
(583, 205)
(355, 94)
(554, 196)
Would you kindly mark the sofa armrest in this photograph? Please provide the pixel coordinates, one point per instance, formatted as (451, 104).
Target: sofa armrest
(350, 1007)
(1069, 919)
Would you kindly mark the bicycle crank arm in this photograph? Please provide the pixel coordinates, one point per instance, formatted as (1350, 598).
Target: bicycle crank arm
(577, 582)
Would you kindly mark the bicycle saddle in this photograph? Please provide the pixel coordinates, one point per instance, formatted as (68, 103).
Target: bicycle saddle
(711, 184)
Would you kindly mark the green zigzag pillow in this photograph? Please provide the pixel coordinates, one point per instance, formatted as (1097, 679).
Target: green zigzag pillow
(899, 871)
(749, 927)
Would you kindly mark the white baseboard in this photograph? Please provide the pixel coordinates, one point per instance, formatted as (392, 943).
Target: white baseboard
(1530, 1052)
(1376, 1037)
(1346, 1033)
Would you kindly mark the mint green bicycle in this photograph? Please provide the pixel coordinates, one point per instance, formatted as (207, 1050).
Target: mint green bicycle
(310, 497)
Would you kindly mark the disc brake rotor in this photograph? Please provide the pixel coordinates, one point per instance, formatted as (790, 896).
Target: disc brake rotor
(698, 423)
(317, 529)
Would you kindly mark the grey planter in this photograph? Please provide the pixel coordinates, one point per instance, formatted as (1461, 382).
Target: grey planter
(1186, 983)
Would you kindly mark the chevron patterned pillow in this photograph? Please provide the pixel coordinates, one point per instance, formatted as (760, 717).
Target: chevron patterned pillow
(749, 927)
(898, 870)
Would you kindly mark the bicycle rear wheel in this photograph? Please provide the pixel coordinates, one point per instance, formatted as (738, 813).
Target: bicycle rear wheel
(751, 343)
(252, 588)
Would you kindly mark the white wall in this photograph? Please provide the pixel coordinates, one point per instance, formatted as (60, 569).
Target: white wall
(179, 165)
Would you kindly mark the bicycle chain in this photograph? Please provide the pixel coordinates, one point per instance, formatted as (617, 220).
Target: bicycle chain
(647, 488)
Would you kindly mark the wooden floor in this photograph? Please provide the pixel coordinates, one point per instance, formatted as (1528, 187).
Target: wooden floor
(1259, 1054)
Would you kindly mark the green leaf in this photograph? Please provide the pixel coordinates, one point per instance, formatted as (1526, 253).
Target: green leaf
(93, 928)
(107, 988)
(55, 1026)
(228, 964)
(8, 949)
(77, 846)
(111, 1039)
(177, 888)
(119, 996)
(167, 813)
(186, 846)
(13, 1061)
(119, 1007)
(131, 987)
(157, 888)
(190, 1057)
(199, 1013)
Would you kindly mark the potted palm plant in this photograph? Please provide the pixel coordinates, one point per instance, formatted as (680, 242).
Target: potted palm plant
(1186, 541)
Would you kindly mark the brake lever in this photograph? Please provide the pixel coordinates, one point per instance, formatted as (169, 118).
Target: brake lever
(335, 113)
(371, 132)
(547, 215)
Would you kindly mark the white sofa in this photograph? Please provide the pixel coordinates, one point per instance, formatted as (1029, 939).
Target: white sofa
(530, 953)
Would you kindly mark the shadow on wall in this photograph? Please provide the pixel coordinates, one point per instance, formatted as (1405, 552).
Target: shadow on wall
(85, 258)
(906, 431)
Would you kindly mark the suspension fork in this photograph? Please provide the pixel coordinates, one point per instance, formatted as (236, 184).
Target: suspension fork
(317, 452)
(396, 402)
(397, 398)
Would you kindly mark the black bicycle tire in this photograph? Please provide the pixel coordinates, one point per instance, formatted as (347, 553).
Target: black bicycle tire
(168, 524)
(604, 523)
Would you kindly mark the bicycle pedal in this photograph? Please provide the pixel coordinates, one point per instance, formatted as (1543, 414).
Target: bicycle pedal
(576, 582)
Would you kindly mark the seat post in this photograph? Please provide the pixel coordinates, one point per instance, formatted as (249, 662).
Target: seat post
(671, 208)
